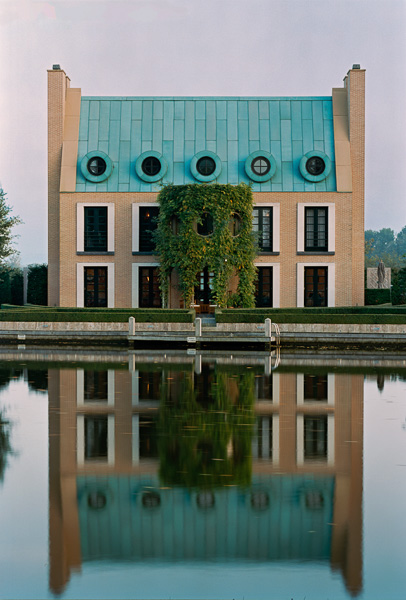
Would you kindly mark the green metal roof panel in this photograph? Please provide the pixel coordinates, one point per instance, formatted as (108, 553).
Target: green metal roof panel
(181, 127)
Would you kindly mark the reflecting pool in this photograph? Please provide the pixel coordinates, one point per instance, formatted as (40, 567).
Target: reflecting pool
(205, 475)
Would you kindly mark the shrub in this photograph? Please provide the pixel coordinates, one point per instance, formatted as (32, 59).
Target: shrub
(377, 296)
(37, 284)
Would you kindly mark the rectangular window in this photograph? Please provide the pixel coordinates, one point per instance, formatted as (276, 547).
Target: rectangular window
(264, 287)
(149, 292)
(263, 225)
(96, 437)
(148, 216)
(263, 387)
(95, 286)
(95, 386)
(316, 229)
(315, 437)
(315, 388)
(95, 229)
(149, 385)
(315, 292)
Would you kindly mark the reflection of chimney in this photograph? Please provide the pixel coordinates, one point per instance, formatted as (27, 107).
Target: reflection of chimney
(380, 381)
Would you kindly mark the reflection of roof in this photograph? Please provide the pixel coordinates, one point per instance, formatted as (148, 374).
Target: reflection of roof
(277, 518)
(232, 128)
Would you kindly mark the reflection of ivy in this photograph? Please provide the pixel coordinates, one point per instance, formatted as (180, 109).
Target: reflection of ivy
(206, 445)
(180, 247)
(5, 446)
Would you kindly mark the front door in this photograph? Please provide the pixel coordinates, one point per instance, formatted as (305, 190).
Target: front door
(263, 292)
(315, 286)
(204, 290)
(95, 286)
(149, 292)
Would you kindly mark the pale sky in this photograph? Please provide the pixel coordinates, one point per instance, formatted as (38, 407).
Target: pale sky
(198, 47)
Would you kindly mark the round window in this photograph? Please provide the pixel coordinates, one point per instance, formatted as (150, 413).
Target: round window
(96, 165)
(205, 500)
(206, 226)
(315, 165)
(259, 500)
(205, 166)
(151, 166)
(96, 500)
(151, 500)
(261, 165)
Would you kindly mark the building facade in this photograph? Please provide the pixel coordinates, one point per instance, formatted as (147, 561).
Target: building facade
(108, 156)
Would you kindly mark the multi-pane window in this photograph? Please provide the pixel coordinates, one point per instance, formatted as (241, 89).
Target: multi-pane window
(315, 437)
(95, 286)
(149, 292)
(315, 388)
(262, 224)
(96, 437)
(148, 224)
(316, 291)
(264, 287)
(95, 229)
(95, 386)
(316, 229)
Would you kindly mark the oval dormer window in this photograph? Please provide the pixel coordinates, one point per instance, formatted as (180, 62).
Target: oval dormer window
(315, 166)
(96, 166)
(151, 166)
(260, 166)
(205, 166)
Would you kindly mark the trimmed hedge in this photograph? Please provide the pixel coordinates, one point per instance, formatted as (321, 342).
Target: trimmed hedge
(285, 317)
(99, 316)
(377, 296)
(340, 310)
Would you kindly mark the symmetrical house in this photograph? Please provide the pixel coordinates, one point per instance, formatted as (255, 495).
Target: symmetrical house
(108, 157)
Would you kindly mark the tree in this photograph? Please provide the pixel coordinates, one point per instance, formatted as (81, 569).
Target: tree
(7, 222)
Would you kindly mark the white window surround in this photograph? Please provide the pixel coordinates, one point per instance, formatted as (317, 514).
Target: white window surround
(80, 283)
(135, 426)
(80, 389)
(80, 224)
(136, 222)
(301, 224)
(300, 459)
(80, 441)
(276, 224)
(276, 281)
(331, 282)
(266, 442)
(300, 390)
(135, 298)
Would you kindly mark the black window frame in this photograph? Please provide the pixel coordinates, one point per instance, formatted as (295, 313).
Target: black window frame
(95, 229)
(202, 164)
(260, 298)
(316, 239)
(147, 225)
(258, 226)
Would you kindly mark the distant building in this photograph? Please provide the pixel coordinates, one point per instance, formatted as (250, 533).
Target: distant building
(108, 156)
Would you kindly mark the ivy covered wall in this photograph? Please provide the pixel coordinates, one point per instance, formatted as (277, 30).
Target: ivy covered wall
(207, 225)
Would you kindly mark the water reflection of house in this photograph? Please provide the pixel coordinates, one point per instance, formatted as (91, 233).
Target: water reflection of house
(305, 497)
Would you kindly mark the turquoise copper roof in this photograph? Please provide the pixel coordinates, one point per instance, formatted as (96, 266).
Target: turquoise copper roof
(232, 128)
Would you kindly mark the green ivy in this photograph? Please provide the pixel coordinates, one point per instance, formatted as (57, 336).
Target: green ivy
(180, 247)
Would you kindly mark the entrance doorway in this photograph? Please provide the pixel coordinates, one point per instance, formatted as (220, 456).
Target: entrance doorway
(204, 290)
(95, 286)
(315, 286)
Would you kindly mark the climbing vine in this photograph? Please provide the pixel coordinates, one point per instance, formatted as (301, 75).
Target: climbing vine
(207, 225)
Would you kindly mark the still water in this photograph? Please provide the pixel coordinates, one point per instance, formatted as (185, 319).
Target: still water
(170, 475)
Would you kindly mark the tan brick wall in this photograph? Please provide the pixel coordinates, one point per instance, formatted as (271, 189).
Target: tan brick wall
(349, 220)
(288, 257)
(58, 82)
(356, 83)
